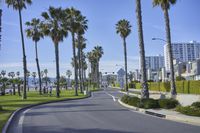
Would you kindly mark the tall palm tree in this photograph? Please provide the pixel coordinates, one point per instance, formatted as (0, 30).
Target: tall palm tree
(68, 73)
(80, 44)
(34, 31)
(92, 60)
(123, 28)
(145, 90)
(3, 73)
(45, 72)
(34, 76)
(83, 64)
(28, 75)
(18, 73)
(82, 27)
(12, 75)
(52, 26)
(165, 5)
(18, 82)
(98, 52)
(72, 25)
(19, 5)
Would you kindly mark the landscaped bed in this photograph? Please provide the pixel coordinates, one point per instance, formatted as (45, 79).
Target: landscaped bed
(10, 103)
(150, 103)
(193, 110)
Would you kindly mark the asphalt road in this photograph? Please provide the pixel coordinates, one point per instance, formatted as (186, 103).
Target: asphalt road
(99, 114)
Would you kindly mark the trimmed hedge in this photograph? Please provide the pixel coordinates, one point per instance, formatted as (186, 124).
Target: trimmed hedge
(196, 105)
(189, 110)
(186, 87)
(168, 103)
(149, 103)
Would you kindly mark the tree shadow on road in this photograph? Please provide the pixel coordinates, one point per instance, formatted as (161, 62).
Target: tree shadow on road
(72, 130)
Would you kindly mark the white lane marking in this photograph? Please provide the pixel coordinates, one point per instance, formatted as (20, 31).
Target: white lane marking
(21, 120)
(114, 99)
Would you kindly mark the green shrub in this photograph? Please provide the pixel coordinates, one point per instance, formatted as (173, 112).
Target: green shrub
(133, 101)
(196, 104)
(137, 86)
(125, 99)
(1, 108)
(168, 103)
(131, 85)
(189, 110)
(148, 103)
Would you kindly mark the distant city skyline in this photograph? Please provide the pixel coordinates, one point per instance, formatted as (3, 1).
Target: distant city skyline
(102, 16)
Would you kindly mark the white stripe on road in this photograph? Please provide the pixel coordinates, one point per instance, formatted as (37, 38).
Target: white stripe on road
(21, 120)
(114, 99)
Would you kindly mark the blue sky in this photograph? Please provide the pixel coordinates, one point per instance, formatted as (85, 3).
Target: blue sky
(102, 16)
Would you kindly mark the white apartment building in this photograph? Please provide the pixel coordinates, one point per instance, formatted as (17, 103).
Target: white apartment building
(182, 52)
(154, 63)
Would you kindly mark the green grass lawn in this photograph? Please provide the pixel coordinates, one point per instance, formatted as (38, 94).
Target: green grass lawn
(12, 103)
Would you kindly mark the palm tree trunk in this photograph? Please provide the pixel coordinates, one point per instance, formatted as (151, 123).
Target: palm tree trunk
(75, 65)
(125, 61)
(168, 37)
(18, 88)
(13, 89)
(24, 55)
(83, 81)
(98, 79)
(46, 80)
(79, 62)
(145, 91)
(38, 69)
(57, 70)
(96, 74)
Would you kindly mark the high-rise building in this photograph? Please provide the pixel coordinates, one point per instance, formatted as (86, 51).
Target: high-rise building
(154, 63)
(182, 52)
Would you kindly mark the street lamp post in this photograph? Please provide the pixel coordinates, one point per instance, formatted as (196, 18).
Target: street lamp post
(173, 86)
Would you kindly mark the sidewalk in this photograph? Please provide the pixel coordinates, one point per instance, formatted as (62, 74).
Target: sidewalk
(167, 114)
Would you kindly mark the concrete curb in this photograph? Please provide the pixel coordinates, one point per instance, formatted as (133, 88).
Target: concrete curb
(160, 115)
(6, 126)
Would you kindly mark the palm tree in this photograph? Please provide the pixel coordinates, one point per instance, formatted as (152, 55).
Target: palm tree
(45, 72)
(34, 31)
(82, 27)
(145, 90)
(85, 66)
(18, 73)
(91, 58)
(12, 75)
(52, 26)
(34, 76)
(19, 5)
(28, 75)
(69, 73)
(80, 44)
(123, 28)
(165, 5)
(18, 82)
(98, 52)
(72, 25)
(3, 73)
